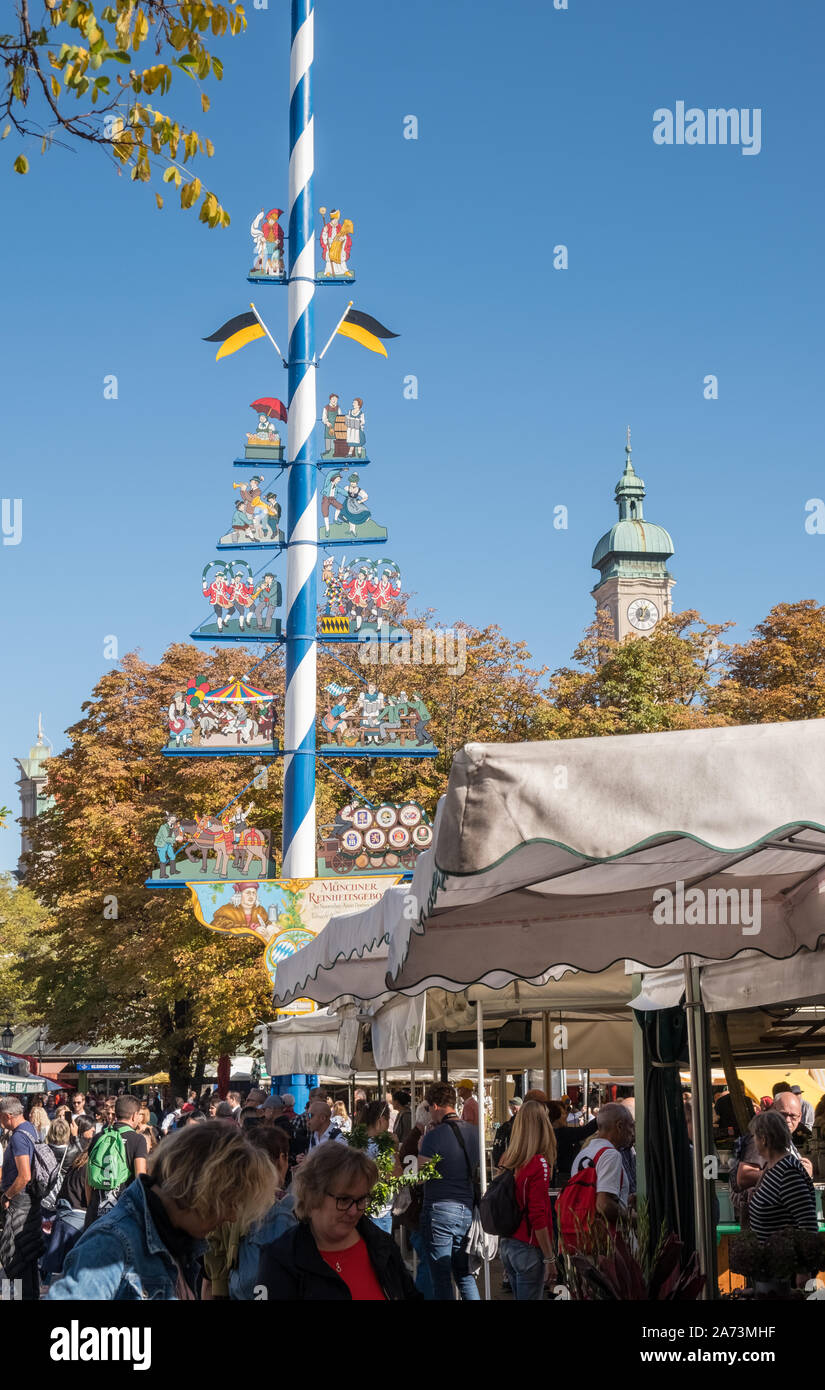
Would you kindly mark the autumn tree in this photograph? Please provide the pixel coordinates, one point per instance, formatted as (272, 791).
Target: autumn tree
(780, 673)
(120, 961)
(21, 922)
(126, 962)
(84, 72)
(639, 685)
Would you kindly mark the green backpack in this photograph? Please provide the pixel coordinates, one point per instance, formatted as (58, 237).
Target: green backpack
(108, 1168)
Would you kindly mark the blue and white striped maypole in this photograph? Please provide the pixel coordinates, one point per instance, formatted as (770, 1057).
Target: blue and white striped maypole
(302, 507)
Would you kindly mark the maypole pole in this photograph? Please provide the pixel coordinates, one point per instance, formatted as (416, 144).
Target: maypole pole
(302, 527)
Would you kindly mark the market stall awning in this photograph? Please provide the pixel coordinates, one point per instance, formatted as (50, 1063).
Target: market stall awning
(549, 853)
(348, 959)
(320, 1044)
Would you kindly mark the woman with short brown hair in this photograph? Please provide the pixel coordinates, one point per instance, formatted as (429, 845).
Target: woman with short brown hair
(335, 1252)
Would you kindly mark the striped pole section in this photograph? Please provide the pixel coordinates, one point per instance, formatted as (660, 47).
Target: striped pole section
(302, 507)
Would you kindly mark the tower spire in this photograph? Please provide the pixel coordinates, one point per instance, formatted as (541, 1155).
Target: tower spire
(630, 489)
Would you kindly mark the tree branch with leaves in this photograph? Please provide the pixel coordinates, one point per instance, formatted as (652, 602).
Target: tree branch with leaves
(58, 91)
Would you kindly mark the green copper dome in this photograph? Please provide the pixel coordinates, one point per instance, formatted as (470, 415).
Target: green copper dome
(633, 547)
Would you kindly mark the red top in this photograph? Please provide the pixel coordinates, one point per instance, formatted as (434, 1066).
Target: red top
(353, 1266)
(533, 1194)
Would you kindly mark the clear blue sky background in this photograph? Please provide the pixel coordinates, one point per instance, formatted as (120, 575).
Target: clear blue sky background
(535, 129)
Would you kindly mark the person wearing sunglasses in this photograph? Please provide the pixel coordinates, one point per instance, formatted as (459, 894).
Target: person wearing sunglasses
(335, 1252)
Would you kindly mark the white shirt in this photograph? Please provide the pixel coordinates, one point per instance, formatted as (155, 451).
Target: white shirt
(331, 1132)
(610, 1174)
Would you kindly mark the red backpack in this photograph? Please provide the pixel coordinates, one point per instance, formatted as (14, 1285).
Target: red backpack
(576, 1207)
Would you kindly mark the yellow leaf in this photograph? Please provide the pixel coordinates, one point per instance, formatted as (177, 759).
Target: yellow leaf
(21, 164)
(55, 86)
(210, 148)
(204, 102)
(168, 174)
(140, 31)
(158, 200)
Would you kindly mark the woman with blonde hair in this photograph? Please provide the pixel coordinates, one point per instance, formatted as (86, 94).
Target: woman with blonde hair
(527, 1255)
(149, 1245)
(40, 1120)
(146, 1127)
(340, 1118)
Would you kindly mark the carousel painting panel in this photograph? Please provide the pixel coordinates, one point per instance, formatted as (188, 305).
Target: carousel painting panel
(344, 431)
(256, 516)
(265, 444)
(268, 246)
(370, 723)
(234, 720)
(385, 839)
(345, 515)
(202, 848)
(361, 597)
(243, 605)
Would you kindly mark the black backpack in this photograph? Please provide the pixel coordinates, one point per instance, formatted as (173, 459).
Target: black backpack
(499, 1210)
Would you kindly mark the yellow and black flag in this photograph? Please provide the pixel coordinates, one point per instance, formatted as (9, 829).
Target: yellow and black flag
(236, 333)
(365, 330)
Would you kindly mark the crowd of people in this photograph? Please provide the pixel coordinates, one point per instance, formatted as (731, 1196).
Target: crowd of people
(246, 1197)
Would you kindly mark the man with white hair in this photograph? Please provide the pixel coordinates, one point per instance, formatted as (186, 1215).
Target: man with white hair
(749, 1169)
(615, 1130)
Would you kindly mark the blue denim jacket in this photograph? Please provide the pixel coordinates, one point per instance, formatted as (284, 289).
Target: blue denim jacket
(120, 1257)
(279, 1219)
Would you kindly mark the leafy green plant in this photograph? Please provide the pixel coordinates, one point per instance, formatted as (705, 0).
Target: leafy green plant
(389, 1183)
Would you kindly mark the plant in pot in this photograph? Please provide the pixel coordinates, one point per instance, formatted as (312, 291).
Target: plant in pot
(636, 1268)
(773, 1264)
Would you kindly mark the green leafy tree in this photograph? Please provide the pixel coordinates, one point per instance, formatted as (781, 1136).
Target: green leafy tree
(82, 71)
(21, 920)
(640, 685)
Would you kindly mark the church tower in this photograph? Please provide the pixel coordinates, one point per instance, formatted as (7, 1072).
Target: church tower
(34, 797)
(635, 583)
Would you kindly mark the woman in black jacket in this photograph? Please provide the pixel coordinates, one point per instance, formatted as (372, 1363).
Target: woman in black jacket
(335, 1251)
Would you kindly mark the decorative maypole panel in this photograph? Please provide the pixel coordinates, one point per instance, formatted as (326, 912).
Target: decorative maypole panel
(302, 537)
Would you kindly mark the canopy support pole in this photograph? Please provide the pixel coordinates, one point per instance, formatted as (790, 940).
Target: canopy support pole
(482, 1154)
(545, 1038)
(693, 1007)
(737, 1094)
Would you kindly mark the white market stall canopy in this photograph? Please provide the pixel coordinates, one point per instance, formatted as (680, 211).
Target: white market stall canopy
(310, 1043)
(773, 1008)
(559, 852)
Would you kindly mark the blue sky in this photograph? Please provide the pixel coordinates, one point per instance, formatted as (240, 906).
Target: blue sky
(535, 129)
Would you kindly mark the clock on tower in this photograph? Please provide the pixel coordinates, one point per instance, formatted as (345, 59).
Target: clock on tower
(635, 583)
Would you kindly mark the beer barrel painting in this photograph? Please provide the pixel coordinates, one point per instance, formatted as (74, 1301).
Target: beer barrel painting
(384, 839)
